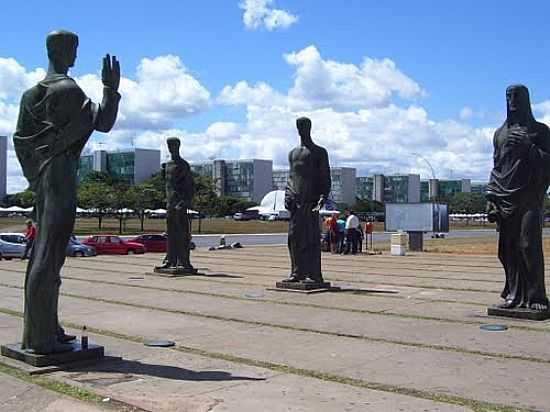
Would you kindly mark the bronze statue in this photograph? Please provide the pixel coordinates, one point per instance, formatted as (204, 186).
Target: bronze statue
(55, 121)
(517, 188)
(180, 189)
(306, 192)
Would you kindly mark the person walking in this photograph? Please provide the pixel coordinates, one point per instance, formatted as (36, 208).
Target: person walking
(340, 234)
(30, 235)
(352, 226)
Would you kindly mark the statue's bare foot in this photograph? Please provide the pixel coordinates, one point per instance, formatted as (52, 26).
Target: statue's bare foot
(540, 307)
(291, 279)
(309, 280)
(508, 304)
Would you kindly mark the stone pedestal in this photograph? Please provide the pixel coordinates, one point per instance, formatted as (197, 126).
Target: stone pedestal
(77, 354)
(518, 313)
(305, 286)
(399, 244)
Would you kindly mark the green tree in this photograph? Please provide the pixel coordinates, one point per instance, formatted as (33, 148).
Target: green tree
(142, 197)
(467, 203)
(25, 199)
(226, 205)
(118, 199)
(366, 206)
(95, 195)
(205, 199)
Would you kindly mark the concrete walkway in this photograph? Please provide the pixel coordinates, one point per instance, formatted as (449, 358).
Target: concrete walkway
(242, 347)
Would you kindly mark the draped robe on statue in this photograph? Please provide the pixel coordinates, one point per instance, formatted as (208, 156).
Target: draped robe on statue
(516, 191)
(309, 179)
(179, 195)
(55, 121)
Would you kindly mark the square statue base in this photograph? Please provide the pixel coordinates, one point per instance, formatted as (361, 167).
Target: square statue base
(173, 272)
(518, 313)
(77, 354)
(303, 286)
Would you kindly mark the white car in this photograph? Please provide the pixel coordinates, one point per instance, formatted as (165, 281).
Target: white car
(12, 245)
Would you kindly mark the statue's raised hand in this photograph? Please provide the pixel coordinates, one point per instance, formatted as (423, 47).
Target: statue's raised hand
(110, 73)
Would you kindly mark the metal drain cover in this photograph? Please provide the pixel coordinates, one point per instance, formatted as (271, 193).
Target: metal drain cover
(493, 328)
(160, 343)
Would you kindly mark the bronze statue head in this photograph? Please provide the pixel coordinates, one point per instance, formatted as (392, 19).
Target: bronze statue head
(304, 126)
(518, 104)
(173, 146)
(61, 46)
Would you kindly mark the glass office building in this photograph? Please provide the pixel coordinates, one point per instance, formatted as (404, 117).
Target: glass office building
(131, 167)
(249, 179)
(280, 177)
(343, 183)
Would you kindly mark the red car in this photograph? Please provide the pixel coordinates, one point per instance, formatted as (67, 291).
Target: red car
(113, 245)
(153, 243)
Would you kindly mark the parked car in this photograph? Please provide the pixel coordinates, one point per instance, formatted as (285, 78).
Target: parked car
(247, 215)
(12, 245)
(155, 242)
(77, 249)
(113, 245)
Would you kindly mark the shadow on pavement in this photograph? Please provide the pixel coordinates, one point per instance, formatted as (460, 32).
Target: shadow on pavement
(129, 367)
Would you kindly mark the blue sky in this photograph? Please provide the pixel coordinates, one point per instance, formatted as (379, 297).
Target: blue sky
(462, 55)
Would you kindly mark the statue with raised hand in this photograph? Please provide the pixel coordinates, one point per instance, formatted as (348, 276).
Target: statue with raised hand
(516, 192)
(55, 121)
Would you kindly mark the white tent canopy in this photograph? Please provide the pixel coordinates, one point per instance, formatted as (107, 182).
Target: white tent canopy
(16, 209)
(163, 211)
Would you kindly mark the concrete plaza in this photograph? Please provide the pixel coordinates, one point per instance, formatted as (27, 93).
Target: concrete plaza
(242, 347)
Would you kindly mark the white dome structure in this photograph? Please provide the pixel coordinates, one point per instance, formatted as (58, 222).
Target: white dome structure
(272, 204)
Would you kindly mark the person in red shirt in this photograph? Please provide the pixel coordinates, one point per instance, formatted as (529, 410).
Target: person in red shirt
(333, 232)
(30, 235)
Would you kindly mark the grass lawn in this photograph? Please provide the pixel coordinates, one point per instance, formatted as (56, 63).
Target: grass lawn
(131, 226)
(471, 246)
(207, 226)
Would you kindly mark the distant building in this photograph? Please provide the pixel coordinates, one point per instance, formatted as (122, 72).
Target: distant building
(443, 189)
(343, 185)
(3, 165)
(249, 179)
(132, 167)
(364, 186)
(280, 177)
(343, 188)
(479, 187)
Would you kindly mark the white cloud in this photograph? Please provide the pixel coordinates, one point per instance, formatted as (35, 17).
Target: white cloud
(320, 83)
(357, 117)
(162, 92)
(261, 14)
(466, 113)
(543, 109)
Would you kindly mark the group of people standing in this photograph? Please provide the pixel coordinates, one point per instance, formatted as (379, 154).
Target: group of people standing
(344, 234)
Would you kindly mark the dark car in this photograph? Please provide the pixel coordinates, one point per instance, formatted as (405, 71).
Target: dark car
(113, 245)
(247, 215)
(155, 242)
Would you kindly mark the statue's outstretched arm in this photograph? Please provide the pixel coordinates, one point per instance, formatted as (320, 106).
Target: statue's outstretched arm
(108, 109)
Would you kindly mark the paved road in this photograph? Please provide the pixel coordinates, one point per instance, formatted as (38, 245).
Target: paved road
(281, 238)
